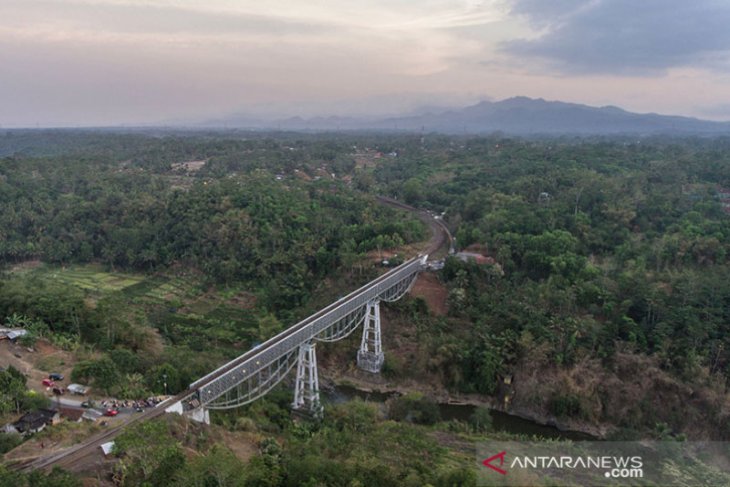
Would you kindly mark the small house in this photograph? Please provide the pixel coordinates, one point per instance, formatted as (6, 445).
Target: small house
(107, 447)
(476, 257)
(52, 416)
(33, 422)
(13, 335)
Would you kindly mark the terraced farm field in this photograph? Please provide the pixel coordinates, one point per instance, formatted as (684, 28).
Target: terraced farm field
(90, 278)
(180, 306)
(158, 290)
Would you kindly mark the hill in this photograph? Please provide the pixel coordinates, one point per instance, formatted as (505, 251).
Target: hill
(518, 115)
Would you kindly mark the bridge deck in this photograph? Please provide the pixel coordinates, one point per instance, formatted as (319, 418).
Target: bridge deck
(224, 378)
(234, 372)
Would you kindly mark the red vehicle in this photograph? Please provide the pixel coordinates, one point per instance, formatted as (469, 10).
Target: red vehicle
(48, 383)
(111, 412)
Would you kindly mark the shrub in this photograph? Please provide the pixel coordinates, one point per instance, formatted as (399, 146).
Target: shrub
(481, 420)
(414, 408)
(566, 405)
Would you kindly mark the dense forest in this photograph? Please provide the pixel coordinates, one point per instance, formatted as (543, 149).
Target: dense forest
(606, 277)
(604, 250)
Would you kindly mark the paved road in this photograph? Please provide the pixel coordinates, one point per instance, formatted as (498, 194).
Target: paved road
(76, 455)
(441, 239)
(73, 403)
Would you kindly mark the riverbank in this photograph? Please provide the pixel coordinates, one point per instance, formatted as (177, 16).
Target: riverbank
(356, 383)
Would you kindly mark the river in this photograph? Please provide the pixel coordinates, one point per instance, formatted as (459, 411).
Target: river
(501, 421)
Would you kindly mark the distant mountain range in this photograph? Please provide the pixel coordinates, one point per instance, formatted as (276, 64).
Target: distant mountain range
(519, 115)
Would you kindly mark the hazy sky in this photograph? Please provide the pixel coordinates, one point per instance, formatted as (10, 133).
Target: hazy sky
(94, 62)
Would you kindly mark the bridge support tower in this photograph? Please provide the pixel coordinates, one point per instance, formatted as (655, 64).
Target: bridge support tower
(192, 409)
(306, 387)
(370, 356)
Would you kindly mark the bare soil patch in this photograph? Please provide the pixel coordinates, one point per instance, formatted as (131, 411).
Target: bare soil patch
(428, 287)
(242, 444)
(36, 363)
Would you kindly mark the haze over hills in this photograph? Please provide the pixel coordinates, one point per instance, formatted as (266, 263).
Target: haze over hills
(518, 115)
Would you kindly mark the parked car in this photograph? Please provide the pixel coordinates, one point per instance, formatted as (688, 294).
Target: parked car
(55, 376)
(111, 412)
(48, 383)
(77, 389)
(59, 391)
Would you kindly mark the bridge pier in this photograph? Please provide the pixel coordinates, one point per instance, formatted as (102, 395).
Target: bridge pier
(306, 386)
(197, 413)
(370, 356)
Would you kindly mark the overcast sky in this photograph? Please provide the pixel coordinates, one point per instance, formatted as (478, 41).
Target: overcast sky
(101, 62)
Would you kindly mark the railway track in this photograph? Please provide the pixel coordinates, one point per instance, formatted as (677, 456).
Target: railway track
(71, 457)
(439, 230)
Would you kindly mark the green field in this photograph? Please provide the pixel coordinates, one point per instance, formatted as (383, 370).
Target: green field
(179, 307)
(161, 290)
(92, 278)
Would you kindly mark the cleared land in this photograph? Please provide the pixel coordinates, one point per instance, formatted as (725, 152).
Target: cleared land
(90, 277)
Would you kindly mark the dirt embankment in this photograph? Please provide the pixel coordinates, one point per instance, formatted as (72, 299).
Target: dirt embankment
(633, 393)
(37, 362)
(428, 287)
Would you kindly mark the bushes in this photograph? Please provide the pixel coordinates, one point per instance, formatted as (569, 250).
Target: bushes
(414, 408)
(102, 373)
(567, 405)
(8, 441)
(481, 420)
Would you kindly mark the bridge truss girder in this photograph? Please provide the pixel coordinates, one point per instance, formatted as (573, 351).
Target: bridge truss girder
(246, 379)
(255, 386)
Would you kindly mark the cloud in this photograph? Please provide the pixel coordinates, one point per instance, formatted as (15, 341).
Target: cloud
(370, 14)
(624, 37)
(109, 61)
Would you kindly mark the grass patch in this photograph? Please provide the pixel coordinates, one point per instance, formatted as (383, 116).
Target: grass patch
(90, 277)
(50, 363)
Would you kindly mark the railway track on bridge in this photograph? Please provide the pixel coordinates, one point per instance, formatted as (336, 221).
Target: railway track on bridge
(73, 456)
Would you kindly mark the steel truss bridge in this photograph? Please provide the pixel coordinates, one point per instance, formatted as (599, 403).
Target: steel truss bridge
(256, 372)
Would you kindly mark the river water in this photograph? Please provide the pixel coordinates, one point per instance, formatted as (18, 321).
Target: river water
(501, 421)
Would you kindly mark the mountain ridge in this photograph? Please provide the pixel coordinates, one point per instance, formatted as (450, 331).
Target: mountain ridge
(519, 115)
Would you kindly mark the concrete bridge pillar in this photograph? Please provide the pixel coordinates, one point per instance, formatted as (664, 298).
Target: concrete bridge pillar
(194, 410)
(306, 387)
(370, 356)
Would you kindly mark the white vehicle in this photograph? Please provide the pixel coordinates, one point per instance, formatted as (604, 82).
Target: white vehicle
(78, 389)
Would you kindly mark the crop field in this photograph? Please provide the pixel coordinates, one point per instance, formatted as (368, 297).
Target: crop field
(158, 290)
(182, 308)
(90, 278)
